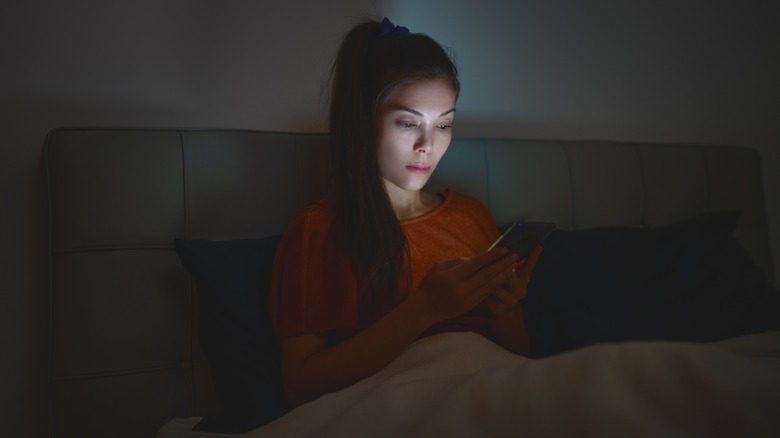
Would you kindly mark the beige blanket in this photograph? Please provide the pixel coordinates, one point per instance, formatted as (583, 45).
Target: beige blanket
(462, 385)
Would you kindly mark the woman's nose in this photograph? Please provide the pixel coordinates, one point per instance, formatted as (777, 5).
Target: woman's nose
(423, 144)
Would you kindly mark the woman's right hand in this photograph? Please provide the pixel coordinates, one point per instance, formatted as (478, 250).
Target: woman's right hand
(312, 366)
(453, 287)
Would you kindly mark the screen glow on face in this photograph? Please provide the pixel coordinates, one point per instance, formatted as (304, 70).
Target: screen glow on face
(415, 130)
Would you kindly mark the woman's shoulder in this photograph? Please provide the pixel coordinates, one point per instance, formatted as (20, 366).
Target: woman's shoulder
(463, 201)
(319, 210)
(316, 217)
(471, 209)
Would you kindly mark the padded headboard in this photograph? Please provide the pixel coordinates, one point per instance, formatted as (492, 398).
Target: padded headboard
(124, 352)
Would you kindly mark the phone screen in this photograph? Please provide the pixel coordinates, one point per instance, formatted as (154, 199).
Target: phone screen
(521, 237)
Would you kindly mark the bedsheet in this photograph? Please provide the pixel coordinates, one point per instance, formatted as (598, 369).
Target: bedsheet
(182, 428)
(463, 385)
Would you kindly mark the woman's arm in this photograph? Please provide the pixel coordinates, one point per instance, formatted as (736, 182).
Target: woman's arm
(312, 367)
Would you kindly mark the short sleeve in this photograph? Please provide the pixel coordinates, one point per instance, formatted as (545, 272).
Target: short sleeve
(313, 290)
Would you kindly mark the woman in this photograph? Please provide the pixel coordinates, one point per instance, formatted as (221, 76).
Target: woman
(361, 276)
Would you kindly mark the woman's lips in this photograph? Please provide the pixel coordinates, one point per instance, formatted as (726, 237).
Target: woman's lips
(418, 168)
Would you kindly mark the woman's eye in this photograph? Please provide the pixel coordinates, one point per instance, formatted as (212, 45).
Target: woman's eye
(407, 124)
(444, 126)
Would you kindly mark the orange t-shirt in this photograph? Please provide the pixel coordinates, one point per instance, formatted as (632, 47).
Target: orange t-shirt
(314, 291)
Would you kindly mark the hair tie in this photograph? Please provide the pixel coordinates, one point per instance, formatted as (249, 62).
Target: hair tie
(389, 28)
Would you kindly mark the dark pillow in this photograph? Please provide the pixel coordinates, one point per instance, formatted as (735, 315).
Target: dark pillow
(233, 279)
(689, 281)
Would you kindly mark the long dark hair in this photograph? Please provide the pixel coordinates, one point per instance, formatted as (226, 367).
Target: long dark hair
(367, 70)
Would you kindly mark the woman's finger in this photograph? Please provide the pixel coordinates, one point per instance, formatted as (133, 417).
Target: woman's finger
(527, 265)
(449, 264)
(479, 262)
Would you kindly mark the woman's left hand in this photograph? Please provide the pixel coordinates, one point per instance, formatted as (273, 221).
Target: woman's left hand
(509, 294)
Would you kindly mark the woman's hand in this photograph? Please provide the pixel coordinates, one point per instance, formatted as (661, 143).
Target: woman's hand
(453, 287)
(507, 326)
(311, 366)
(508, 294)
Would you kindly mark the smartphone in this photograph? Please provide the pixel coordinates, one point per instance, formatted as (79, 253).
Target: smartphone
(521, 237)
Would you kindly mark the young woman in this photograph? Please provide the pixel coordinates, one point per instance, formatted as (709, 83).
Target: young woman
(359, 277)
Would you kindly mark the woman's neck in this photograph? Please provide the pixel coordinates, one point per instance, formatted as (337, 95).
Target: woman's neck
(409, 205)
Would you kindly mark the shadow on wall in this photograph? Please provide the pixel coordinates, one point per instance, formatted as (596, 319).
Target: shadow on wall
(25, 118)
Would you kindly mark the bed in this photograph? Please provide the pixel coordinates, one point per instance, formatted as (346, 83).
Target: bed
(665, 322)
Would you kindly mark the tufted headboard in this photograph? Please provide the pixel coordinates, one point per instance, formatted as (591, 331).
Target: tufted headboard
(124, 353)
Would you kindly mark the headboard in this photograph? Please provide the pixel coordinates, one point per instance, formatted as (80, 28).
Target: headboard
(124, 350)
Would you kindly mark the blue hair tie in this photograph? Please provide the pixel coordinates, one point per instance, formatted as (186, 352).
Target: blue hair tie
(389, 28)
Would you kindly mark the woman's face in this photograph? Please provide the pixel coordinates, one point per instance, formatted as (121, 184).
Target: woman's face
(414, 131)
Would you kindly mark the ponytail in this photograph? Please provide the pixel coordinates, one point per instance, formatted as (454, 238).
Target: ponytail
(368, 68)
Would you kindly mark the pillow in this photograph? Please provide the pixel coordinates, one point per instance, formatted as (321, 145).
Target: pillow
(688, 281)
(233, 279)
